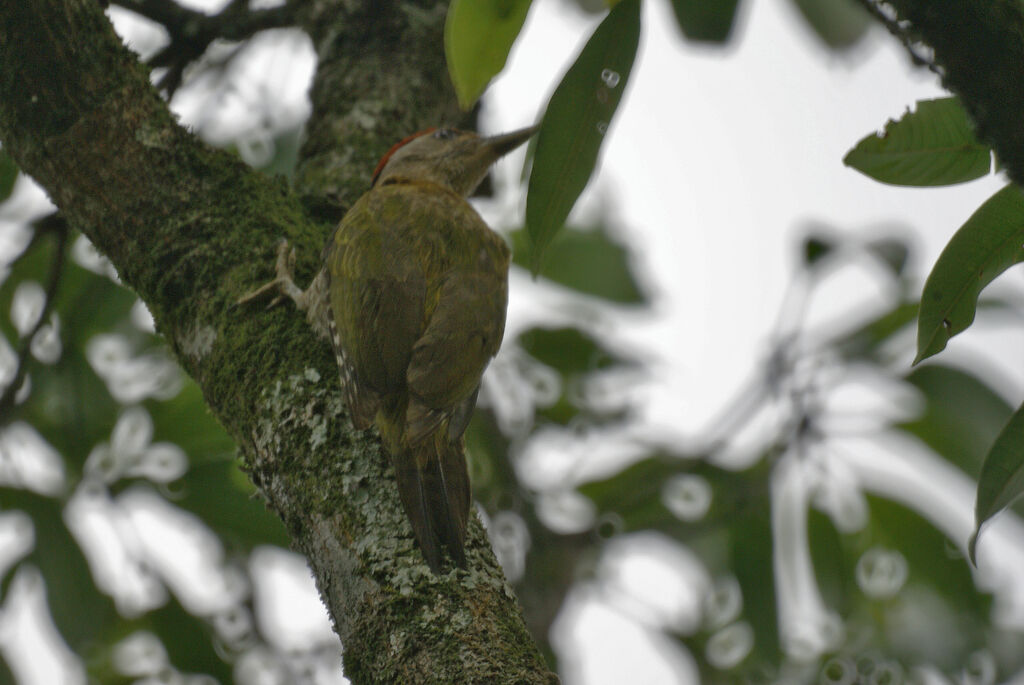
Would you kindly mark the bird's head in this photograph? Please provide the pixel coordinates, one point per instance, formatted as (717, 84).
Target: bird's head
(456, 159)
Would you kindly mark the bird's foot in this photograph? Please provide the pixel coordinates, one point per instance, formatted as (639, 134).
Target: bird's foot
(282, 286)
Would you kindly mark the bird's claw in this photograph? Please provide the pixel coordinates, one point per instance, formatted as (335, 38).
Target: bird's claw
(282, 283)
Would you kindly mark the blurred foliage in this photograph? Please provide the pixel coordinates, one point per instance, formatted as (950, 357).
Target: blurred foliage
(89, 364)
(839, 23)
(896, 593)
(576, 257)
(705, 21)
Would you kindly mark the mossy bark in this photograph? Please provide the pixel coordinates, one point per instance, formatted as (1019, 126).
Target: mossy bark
(190, 229)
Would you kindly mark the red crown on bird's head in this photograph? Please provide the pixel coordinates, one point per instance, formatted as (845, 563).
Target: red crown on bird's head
(394, 148)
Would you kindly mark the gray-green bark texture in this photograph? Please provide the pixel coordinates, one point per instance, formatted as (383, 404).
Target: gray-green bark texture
(190, 229)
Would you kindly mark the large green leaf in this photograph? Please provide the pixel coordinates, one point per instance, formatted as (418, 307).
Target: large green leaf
(959, 625)
(840, 23)
(961, 416)
(575, 122)
(477, 37)
(1002, 474)
(701, 20)
(587, 261)
(570, 351)
(932, 146)
(991, 241)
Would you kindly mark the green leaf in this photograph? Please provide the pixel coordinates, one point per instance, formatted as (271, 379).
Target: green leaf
(587, 261)
(840, 23)
(752, 551)
(1002, 474)
(991, 241)
(568, 350)
(962, 415)
(705, 21)
(932, 562)
(477, 37)
(8, 175)
(575, 122)
(932, 146)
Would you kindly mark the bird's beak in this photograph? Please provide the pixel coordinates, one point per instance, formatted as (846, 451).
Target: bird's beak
(501, 145)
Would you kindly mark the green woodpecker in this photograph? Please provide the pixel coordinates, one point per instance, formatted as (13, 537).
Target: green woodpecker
(414, 289)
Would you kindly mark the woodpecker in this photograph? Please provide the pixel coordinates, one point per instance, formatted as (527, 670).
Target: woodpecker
(412, 292)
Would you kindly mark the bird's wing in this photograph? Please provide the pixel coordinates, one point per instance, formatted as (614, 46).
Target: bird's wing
(465, 322)
(377, 303)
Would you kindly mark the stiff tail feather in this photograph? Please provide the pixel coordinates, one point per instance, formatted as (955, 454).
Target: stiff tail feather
(434, 487)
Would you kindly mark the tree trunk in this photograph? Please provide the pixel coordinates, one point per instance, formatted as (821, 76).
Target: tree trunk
(190, 229)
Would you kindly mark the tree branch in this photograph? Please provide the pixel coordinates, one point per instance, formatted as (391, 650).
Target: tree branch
(190, 229)
(191, 31)
(978, 48)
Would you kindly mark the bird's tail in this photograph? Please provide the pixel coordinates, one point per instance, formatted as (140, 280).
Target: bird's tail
(433, 484)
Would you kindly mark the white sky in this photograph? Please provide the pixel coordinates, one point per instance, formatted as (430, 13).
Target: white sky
(715, 162)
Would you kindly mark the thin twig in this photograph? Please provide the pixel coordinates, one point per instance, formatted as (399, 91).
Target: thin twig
(56, 225)
(191, 32)
(901, 32)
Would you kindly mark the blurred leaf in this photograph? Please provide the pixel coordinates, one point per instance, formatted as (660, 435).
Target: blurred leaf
(816, 247)
(706, 20)
(573, 128)
(892, 252)
(487, 453)
(1002, 475)
(752, 562)
(588, 261)
(932, 146)
(570, 351)
(638, 495)
(991, 241)
(8, 175)
(477, 37)
(961, 415)
(830, 562)
(79, 610)
(191, 645)
(205, 440)
(635, 492)
(220, 494)
(931, 559)
(840, 23)
(864, 341)
(69, 404)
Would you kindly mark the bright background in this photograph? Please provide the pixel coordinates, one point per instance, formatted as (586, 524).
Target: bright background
(718, 161)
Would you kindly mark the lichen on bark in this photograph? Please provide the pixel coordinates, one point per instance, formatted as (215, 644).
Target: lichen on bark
(190, 229)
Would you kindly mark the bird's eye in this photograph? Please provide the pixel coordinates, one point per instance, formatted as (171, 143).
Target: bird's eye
(445, 133)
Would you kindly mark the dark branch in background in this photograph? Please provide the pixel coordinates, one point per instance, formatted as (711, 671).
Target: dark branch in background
(913, 45)
(978, 50)
(55, 225)
(191, 32)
